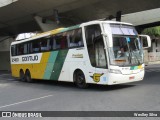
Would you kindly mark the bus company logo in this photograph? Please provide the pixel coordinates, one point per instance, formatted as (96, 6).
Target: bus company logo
(6, 114)
(15, 59)
(77, 56)
(96, 77)
(30, 58)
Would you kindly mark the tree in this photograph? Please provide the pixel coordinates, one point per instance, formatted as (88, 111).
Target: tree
(153, 31)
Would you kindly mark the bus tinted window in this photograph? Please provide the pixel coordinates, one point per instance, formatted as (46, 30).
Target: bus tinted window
(20, 49)
(63, 41)
(75, 38)
(44, 44)
(60, 41)
(13, 50)
(35, 46)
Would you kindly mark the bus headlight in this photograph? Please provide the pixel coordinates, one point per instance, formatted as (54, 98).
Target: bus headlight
(115, 71)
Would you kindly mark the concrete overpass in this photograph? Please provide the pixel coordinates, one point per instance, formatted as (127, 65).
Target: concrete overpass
(19, 16)
(27, 16)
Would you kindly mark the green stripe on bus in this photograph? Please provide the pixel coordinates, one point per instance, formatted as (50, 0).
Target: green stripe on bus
(70, 28)
(50, 64)
(58, 64)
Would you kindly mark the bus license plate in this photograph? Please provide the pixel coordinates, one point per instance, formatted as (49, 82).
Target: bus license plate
(131, 78)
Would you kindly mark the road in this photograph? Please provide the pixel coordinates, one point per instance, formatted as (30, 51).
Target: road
(60, 96)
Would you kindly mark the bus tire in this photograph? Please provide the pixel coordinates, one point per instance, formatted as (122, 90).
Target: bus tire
(79, 79)
(28, 76)
(21, 75)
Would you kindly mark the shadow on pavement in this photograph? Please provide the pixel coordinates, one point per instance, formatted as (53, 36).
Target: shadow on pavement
(92, 87)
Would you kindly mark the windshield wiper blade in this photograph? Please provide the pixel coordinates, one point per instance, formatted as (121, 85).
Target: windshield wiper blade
(137, 60)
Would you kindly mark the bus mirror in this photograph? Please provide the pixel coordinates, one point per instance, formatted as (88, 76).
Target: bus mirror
(145, 40)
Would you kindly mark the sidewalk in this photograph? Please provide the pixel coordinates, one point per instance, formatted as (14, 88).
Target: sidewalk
(154, 63)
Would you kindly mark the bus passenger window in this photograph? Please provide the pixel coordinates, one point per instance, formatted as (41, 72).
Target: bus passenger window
(63, 41)
(52, 43)
(79, 37)
(20, 49)
(13, 50)
(76, 38)
(44, 44)
(72, 42)
(25, 48)
(57, 42)
(35, 47)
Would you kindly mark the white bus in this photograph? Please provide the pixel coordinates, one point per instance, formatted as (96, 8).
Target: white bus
(97, 52)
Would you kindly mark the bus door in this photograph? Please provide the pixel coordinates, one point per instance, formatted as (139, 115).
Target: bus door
(101, 60)
(96, 52)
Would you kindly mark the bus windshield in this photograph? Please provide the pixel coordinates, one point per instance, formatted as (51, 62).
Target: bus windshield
(126, 51)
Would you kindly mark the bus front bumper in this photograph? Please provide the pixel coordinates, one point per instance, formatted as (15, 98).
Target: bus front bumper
(120, 78)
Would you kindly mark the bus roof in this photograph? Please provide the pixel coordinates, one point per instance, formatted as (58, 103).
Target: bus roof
(44, 34)
(60, 30)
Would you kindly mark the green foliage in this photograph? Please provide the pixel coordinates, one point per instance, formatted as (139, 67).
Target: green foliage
(153, 31)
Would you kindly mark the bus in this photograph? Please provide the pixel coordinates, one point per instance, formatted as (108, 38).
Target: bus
(95, 52)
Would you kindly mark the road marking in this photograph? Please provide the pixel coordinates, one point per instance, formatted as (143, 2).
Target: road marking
(25, 101)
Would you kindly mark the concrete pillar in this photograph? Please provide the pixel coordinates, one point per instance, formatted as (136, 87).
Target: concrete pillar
(5, 53)
(46, 25)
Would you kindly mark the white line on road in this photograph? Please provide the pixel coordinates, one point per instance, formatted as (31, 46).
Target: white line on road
(25, 101)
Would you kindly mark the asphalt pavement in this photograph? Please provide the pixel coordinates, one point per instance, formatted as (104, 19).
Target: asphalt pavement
(62, 96)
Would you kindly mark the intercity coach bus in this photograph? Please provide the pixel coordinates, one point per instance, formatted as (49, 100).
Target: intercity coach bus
(97, 52)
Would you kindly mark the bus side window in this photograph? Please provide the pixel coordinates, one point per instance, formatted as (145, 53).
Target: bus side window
(35, 46)
(63, 41)
(75, 38)
(57, 42)
(20, 49)
(72, 42)
(25, 48)
(44, 44)
(51, 43)
(78, 37)
(13, 50)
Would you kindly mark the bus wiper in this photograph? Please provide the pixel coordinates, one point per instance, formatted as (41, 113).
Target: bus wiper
(136, 58)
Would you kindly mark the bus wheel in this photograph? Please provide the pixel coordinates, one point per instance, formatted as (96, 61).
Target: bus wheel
(28, 76)
(79, 79)
(21, 75)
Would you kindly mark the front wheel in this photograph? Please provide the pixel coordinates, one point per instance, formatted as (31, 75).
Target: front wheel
(79, 79)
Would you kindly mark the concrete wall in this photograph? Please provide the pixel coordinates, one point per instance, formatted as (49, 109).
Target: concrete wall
(154, 51)
(5, 61)
(5, 53)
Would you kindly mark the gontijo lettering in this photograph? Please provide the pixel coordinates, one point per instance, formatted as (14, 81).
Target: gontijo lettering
(30, 58)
